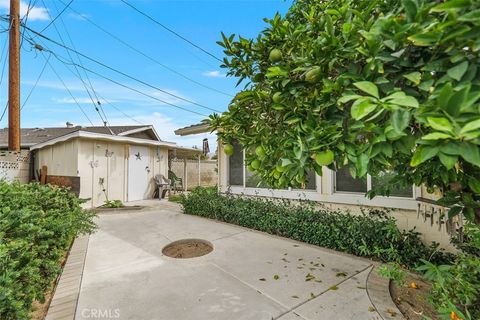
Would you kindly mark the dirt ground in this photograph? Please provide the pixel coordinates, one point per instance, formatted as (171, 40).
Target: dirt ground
(413, 303)
(187, 249)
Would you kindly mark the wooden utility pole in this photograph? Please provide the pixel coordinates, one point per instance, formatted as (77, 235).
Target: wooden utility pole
(14, 78)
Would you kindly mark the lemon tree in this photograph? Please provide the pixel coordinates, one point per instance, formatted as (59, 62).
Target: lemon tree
(373, 84)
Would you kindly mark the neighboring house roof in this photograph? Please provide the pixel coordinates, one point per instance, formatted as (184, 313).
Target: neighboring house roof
(193, 129)
(33, 136)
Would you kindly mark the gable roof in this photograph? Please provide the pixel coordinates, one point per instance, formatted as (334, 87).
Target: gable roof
(32, 136)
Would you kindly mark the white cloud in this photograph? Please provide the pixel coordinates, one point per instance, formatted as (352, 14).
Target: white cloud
(81, 100)
(81, 16)
(214, 74)
(165, 127)
(36, 13)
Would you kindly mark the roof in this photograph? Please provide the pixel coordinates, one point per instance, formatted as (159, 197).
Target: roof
(32, 136)
(193, 129)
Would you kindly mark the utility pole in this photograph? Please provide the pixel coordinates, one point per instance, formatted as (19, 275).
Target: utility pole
(14, 78)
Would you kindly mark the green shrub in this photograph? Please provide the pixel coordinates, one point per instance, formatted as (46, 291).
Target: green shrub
(113, 204)
(394, 272)
(456, 286)
(37, 226)
(371, 234)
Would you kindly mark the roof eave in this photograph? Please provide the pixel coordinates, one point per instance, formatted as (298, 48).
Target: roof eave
(101, 136)
(193, 130)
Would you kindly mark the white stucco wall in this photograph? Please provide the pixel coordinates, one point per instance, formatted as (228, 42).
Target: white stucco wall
(404, 210)
(60, 159)
(95, 161)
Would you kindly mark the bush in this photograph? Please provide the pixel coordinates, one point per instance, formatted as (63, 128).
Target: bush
(37, 226)
(371, 234)
(456, 287)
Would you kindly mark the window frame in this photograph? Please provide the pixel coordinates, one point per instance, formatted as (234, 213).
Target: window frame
(318, 181)
(416, 191)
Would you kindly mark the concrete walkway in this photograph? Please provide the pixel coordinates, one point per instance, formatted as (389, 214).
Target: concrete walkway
(249, 275)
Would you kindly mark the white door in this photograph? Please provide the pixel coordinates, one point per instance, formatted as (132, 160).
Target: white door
(138, 173)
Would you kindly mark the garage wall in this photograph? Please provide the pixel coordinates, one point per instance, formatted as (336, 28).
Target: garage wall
(60, 158)
(101, 166)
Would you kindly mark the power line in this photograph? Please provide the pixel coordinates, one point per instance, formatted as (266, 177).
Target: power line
(117, 71)
(36, 82)
(146, 55)
(76, 69)
(58, 15)
(63, 60)
(170, 30)
(68, 90)
(99, 105)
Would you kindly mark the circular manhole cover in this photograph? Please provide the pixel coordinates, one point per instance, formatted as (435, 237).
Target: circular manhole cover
(187, 248)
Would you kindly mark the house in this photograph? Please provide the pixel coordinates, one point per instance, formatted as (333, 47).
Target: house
(412, 207)
(115, 162)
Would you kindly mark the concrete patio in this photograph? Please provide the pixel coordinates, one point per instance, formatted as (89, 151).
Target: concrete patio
(249, 275)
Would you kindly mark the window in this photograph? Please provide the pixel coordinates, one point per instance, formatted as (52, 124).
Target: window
(344, 182)
(397, 190)
(235, 166)
(238, 172)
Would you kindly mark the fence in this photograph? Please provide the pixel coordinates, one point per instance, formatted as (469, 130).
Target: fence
(15, 166)
(195, 173)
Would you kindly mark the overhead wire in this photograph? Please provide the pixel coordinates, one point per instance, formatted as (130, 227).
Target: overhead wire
(65, 61)
(52, 21)
(118, 71)
(170, 30)
(36, 83)
(99, 105)
(3, 69)
(68, 90)
(104, 121)
(149, 57)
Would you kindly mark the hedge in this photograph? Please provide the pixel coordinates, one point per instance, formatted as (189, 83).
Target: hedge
(38, 223)
(372, 234)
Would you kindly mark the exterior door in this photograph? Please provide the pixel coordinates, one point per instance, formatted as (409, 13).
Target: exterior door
(138, 173)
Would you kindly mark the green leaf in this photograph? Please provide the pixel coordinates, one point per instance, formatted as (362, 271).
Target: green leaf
(471, 16)
(425, 39)
(401, 99)
(400, 119)
(458, 71)
(451, 5)
(415, 77)
(455, 103)
(448, 161)
(348, 98)
(368, 87)
(324, 158)
(362, 108)
(436, 136)
(470, 152)
(422, 154)
(474, 184)
(410, 7)
(276, 72)
(362, 165)
(440, 124)
(472, 125)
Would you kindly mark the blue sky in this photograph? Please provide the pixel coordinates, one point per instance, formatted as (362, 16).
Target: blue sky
(200, 21)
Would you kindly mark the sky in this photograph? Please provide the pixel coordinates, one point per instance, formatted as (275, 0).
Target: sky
(200, 21)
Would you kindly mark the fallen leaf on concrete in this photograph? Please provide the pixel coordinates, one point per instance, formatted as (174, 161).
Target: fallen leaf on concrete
(341, 274)
(276, 277)
(392, 313)
(371, 309)
(296, 297)
(333, 288)
(262, 279)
